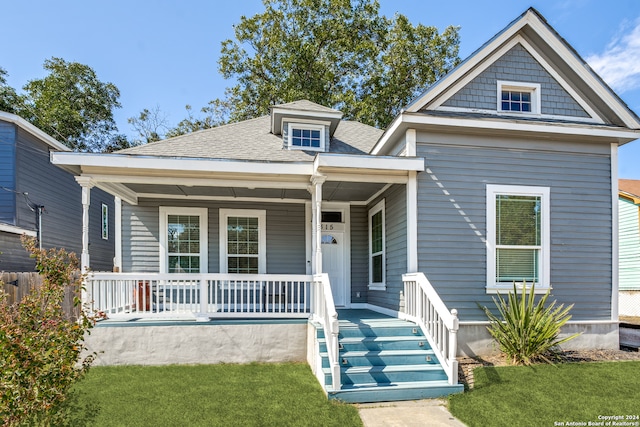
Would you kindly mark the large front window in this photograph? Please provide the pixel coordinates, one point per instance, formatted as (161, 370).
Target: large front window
(517, 236)
(377, 247)
(183, 240)
(242, 241)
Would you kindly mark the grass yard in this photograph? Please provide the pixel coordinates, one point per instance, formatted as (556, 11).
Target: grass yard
(207, 395)
(551, 395)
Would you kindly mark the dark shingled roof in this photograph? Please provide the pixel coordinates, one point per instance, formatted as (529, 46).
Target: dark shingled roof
(252, 140)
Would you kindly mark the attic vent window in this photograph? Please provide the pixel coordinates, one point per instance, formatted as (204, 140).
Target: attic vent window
(305, 137)
(516, 97)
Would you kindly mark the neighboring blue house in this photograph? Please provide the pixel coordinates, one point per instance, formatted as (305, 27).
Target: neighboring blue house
(504, 170)
(41, 200)
(629, 208)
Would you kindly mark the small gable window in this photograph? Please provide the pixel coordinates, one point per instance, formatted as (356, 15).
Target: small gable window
(516, 97)
(305, 137)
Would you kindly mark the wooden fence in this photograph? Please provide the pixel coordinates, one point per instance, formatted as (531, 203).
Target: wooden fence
(19, 285)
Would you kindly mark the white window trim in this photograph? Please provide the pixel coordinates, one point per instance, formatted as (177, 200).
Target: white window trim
(262, 236)
(533, 88)
(295, 125)
(545, 234)
(378, 286)
(202, 213)
(105, 221)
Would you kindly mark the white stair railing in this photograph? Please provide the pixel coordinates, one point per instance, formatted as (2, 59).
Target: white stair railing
(325, 312)
(424, 307)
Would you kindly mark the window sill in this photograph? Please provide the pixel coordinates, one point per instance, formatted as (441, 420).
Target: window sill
(505, 289)
(377, 287)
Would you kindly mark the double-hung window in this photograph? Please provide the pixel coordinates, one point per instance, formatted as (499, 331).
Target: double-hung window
(183, 240)
(377, 259)
(517, 237)
(242, 241)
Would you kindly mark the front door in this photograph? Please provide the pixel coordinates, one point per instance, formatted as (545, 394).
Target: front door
(333, 260)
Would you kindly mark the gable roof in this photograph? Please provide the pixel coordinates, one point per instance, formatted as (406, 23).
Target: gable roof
(630, 188)
(605, 114)
(253, 140)
(33, 130)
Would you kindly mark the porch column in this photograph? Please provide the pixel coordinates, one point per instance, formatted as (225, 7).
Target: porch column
(412, 222)
(86, 184)
(117, 260)
(317, 181)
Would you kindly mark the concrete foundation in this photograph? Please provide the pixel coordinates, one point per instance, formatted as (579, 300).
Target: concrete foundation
(475, 340)
(198, 343)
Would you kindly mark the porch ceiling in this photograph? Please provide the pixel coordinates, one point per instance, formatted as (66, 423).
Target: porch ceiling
(333, 191)
(349, 178)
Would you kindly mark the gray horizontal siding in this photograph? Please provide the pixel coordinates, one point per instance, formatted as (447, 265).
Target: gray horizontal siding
(517, 65)
(452, 222)
(395, 247)
(285, 235)
(359, 251)
(13, 257)
(7, 173)
(61, 196)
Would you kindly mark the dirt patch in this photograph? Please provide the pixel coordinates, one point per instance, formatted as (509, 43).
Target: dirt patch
(466, 365)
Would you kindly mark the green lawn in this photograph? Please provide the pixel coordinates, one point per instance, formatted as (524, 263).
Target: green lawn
(549, 395)
(207, 395)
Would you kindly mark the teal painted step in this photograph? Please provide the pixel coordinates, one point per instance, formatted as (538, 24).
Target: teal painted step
(380, 343)
(383, 358)
(387, 374)
(387, 392)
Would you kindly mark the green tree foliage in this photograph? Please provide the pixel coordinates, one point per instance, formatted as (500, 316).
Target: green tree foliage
(9, 99)
(526, 331)
(40, 345)
(338, 53)
(73, 105)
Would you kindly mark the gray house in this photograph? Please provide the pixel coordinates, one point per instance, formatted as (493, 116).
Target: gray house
(41, 200)
(504, 170)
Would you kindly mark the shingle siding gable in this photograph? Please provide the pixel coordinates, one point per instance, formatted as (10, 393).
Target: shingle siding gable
(516, 65)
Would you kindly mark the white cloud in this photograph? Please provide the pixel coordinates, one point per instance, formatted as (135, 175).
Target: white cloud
(619, 64)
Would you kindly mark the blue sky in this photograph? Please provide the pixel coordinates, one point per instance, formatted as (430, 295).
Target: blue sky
(163, 54)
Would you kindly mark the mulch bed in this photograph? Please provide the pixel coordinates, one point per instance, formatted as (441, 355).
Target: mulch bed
(466, 365)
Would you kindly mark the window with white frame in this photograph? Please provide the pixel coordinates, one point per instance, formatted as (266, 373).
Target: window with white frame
(377, 258)
(305, 136)
(515, 97)
(242, 241)
(183, 240)
(517, 237)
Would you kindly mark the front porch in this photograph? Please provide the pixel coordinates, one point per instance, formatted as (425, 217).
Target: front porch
(357, 355)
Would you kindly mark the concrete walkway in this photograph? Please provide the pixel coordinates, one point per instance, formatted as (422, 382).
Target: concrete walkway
(428, 412)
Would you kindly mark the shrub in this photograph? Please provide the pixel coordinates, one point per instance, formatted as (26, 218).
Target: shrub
(526, 331)
(40, 344)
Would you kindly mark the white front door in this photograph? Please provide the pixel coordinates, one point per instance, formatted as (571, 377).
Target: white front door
(333, 261)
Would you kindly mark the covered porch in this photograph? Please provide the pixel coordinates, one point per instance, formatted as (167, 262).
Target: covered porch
(209, 240)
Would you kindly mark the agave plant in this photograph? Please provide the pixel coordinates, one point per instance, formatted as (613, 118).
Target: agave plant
(526, 331)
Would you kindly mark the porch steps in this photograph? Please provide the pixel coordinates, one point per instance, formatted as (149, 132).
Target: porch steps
(384, 359)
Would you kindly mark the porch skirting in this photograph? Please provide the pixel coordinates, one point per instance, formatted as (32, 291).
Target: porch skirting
(474, 339)
(175, 342)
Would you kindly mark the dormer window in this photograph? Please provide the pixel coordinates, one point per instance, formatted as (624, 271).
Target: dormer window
(302, 136)
(514, 97)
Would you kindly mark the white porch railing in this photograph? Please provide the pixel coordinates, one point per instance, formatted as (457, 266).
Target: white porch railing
(200, 295)
(325, 311)
(424, 307)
